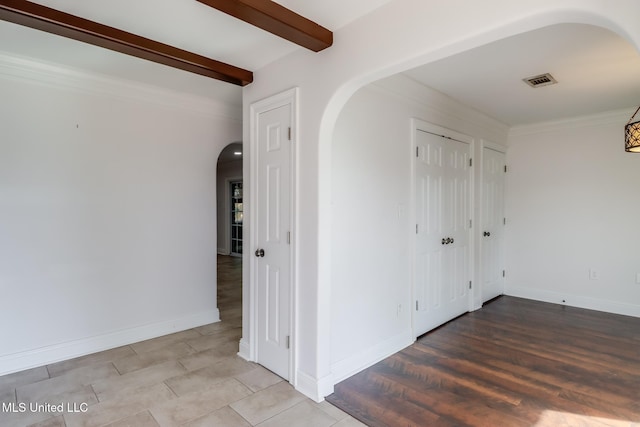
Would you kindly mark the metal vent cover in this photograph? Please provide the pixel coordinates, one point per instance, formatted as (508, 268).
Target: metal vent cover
(540, 80)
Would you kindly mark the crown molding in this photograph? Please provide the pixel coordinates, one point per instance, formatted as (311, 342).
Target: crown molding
(615, 117)
(32, 71)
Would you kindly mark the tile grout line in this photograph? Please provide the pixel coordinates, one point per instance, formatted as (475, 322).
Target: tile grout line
(181, 364)
(152, 417)
(93, 390)
(169, 387)
(239, 414)
(134, 349)
(191, 347)
(116, 368)
(48, 371)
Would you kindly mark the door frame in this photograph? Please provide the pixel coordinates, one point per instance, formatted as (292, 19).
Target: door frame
(421, 125)
(480, 273)
(249, 341)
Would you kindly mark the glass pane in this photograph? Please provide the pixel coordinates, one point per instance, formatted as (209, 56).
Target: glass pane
(236, 217)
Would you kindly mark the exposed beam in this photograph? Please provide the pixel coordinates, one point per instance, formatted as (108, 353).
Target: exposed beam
(278, 20)
(56, 22)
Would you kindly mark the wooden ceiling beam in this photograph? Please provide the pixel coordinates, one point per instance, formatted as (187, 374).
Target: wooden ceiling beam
(278, 20)
(53, 21)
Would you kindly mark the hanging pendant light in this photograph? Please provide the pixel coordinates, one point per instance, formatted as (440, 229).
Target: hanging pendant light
(632, 135)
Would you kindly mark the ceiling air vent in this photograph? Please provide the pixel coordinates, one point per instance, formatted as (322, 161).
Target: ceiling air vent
(541, 80)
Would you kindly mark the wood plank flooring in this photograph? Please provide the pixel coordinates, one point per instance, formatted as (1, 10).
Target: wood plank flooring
(515, 362)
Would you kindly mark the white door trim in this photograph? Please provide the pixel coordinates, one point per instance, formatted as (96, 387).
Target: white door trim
(500, 149)
(421, 125)
(249, 342)
(492, 145)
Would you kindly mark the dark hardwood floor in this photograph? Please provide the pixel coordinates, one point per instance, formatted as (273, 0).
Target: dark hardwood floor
(515, 362)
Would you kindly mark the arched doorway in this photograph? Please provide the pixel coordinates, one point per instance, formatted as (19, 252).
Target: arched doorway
(389, 284)
(229, 206)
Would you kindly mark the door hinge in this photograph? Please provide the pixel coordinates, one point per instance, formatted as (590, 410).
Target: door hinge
(504, 273)
(470, 162)
(417, 151)
(504, 221)
(288, 341)
(470, 223)
(416, 228)
(288, 237)
(469, 284)
(416, 305)
(289, 134)
(505, 168)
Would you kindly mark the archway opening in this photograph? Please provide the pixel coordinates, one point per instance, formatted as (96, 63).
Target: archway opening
(230, 215)
(480, 93)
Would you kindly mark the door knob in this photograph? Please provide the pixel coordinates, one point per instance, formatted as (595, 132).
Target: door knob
(260, 253)
(444, 241)
(487, 233)
(451, 240)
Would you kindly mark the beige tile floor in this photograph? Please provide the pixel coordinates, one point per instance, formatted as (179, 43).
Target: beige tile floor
(192, 378)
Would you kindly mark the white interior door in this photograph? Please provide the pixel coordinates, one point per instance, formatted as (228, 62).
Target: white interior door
(273, 252)
(493, 172)
(443, 213)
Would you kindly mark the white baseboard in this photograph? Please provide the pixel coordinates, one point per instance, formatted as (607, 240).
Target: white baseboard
(370, 356)
(314, 389)
(243, 350)
(324, 388)
(614, 307)
(55, 353)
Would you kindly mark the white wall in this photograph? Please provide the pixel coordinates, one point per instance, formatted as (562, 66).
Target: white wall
(373, 225)
(398, 36)
(572, 207)
(107, 211)
(226, 172)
